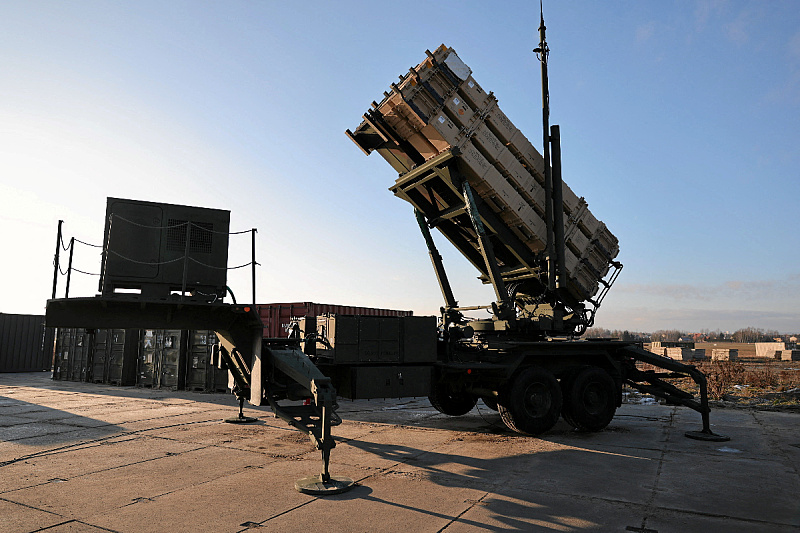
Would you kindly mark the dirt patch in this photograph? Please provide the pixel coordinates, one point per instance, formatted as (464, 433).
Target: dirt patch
(295, 437)
(485, 437)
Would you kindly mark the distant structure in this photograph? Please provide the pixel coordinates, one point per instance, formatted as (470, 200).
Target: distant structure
(772, 350)
(679, 350)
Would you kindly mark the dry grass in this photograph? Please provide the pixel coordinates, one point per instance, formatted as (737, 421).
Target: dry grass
(722, 376)
(753, 383)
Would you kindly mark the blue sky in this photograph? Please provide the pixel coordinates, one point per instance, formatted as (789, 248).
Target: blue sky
(680, 126)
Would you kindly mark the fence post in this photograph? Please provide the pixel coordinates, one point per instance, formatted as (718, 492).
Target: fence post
(55, 259)
(69, 268)
(253, 233)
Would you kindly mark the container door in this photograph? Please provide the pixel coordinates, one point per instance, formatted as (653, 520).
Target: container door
(77, 359)
(100, 358)
(169, 359)
(147, 359)
(61, 363)
(198, 360)
(116, 357)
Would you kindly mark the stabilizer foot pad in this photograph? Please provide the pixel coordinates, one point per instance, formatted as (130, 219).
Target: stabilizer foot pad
(314, 485)
(707, 436)
(241, 420)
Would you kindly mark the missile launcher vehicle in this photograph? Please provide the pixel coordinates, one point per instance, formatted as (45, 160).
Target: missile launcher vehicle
(472, 175)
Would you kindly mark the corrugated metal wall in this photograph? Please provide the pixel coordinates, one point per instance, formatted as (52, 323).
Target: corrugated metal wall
(277, 316)
(25, 344)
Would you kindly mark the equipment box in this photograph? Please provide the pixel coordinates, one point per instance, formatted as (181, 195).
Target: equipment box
(367, 382)
(373, 339)
(152, 250)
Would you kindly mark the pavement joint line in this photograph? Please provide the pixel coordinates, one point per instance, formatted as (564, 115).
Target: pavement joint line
(391, 467)
(30, 507)
(73, 521)
(154, 497)
(724, 517)
(465, 511)
(88, 443)
(261, 524)
(643, 507)
(648, 511)
(103, 469)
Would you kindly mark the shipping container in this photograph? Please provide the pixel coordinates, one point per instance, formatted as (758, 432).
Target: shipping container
(73, 354)
(277, 317)
(26, 345)
(201, 372)
(115, 355)
(145, 370)
(161, 359)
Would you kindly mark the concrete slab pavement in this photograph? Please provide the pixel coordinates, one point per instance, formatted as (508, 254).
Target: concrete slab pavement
(80, 457)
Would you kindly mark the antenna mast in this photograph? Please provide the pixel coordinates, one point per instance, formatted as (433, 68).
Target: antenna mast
(542, 53)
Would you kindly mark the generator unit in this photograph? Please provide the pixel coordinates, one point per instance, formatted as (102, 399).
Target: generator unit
(157, 251)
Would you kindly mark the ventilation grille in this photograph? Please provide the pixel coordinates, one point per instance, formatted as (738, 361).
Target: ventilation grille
(200, 238)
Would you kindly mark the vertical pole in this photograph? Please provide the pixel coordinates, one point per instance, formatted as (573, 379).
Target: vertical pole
(69, 268)
(55, 259)
(543, 52)
(104, 256)
(253, 264)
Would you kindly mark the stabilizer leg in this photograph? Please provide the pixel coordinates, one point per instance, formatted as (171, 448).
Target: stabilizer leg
(241, 419)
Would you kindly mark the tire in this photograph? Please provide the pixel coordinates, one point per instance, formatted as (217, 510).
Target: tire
(532, 403)
(450, 403)
(589, 399)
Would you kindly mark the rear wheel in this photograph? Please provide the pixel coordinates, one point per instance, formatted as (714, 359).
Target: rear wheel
(532, 404)
(589, 399)
(451, 403)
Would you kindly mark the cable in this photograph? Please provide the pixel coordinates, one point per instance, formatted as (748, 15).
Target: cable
(192, 259)
(89, 244)
(149, 227)
(231, 293)
(82, 272)
(188, 222)
(145, 262)
(215, 295)
(221, 232)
